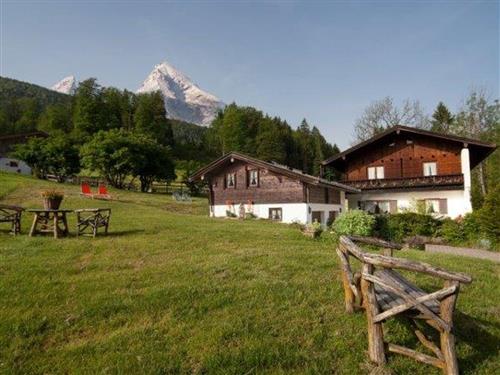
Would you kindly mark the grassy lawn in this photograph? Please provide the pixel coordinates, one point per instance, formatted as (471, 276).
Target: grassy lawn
(173, 291)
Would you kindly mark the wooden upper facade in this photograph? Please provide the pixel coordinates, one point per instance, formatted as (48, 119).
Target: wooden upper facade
(403, 157)
(239, 179)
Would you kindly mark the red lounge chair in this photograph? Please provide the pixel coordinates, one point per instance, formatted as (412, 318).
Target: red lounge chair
(103, 192)
(86, 192)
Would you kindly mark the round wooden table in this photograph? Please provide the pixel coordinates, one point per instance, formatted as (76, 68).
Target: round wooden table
(49, 221)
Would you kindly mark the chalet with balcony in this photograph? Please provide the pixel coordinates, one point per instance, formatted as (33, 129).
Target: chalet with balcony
(240, 185)
(397, 169)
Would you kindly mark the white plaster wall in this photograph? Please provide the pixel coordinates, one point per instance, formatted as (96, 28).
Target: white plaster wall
(292, 212)
(22, 167)
(458, 204)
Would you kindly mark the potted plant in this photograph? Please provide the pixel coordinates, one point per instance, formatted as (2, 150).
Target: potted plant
(313, 230)
(52, 199)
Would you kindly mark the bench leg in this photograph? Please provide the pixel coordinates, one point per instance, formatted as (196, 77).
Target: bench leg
(33, 226)
(375, 332)
(447, 306)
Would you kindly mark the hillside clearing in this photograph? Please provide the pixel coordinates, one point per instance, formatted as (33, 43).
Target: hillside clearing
(173, 291)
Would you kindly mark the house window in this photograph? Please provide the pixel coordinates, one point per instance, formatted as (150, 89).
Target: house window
(430, 169)
(253, 178)
(276, 214)
(317, 216)
(376, 207)
(231, 180)
(375, 173)
(432, 206)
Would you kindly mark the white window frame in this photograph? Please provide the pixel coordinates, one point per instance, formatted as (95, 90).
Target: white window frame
(276, 217)
(376, 173)
(256, 172)
(231, 177)
(430, 168)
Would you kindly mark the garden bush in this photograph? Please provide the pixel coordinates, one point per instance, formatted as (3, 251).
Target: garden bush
(397, 227)
(354, 222)
(452, 231)
(489, 216)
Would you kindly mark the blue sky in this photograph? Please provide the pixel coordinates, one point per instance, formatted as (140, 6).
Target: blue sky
(325, 61)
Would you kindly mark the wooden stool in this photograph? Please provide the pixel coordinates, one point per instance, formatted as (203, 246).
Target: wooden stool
(92, 219)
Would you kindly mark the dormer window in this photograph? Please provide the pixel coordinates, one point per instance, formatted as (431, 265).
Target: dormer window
(231, 180)
(375, 173)
(253, 177)
(430, 169)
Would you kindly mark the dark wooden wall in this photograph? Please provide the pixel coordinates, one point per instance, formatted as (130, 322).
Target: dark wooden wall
(403, 159)
(323, 195)
(272, 188)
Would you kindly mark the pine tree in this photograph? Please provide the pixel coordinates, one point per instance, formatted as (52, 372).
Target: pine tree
(442, 119)
(87, 116)
(150, 118)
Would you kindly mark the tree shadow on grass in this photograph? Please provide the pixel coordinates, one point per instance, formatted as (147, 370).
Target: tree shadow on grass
(474, 332)
(477, 333)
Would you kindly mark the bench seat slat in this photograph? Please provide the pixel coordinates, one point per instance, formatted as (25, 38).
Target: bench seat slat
(387, 299)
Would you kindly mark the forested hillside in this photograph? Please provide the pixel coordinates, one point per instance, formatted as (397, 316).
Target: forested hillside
(22, 103)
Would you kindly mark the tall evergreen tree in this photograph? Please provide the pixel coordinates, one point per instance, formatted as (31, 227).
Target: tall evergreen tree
(442, 119)
(150, 118)
(87, 116)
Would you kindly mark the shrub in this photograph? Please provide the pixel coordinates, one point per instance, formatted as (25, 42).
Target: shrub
(230, 214)
(354, 222)
(471, 227)
(313, 230)
(399, 226)
(489, 216)
(250, 215)
(452, 231)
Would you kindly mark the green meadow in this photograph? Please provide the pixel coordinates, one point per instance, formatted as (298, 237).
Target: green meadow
(171, 290)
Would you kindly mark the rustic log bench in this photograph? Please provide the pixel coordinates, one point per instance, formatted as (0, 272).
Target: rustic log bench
(12, 215)
(384, 293)
(89, 220)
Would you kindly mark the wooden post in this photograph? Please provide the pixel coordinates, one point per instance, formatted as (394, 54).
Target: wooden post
(375, 333)
(55, 221)
(446, 307)
(33, 226)
(347, 281)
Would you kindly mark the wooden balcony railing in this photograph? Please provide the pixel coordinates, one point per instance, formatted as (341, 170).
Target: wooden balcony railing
(408, 182)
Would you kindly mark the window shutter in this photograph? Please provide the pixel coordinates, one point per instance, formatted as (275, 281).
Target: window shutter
(393, 207)
(443, 206)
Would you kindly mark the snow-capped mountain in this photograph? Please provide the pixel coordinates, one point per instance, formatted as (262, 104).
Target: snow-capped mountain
(66, 85)
(184, 100)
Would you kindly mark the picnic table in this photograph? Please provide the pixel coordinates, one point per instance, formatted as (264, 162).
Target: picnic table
(49, 221)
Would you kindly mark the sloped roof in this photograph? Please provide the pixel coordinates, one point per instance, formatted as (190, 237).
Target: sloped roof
(272, 166)
(485, 148)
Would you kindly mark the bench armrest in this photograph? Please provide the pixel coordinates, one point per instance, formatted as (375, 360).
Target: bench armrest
(376, 242)
(390, 262)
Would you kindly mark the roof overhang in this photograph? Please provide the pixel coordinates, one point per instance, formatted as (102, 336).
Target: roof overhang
(479, 150)
(225, 160)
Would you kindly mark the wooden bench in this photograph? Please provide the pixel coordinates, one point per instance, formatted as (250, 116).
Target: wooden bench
(89, 220)
(384, 293)
(11, 214)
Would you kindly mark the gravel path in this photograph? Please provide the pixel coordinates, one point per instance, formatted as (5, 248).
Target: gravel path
(463, 251)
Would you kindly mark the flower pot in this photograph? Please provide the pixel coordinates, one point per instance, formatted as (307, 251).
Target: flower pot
(52, 203)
